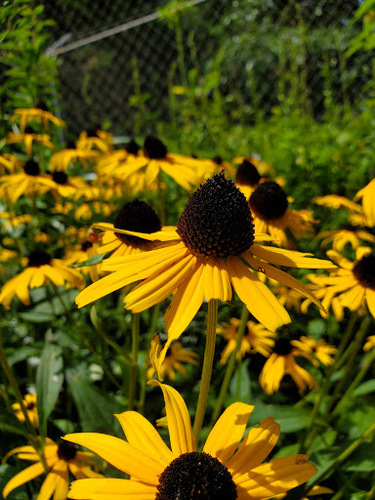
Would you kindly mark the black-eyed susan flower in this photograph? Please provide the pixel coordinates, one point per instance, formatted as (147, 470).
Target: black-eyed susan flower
(30, 182)
(41, 269)
(270, 208)
(341, 237)
(223, 470)
(247, 177)
(256, 339)
(40, 114)
(27, 138)
(185, 171)
(82, 252)
(9, 220)
(281, 362)
(262, 166)
(69, 156)
(29, 402)
(320, 351)
(353, 283)
(61, 459)
(68, 187)
(175, 356)
(9, 163)
(213, 249)
(136, 215)
(367, 194)
(95, 139)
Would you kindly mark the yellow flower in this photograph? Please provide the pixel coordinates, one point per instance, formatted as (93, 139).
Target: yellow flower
(9, 162)
(269, 205)
(68, 187)
(335, 201)
(30, 404)
(318, 348)
(370, 343)
(224, 469)
(262, 166)
(341, 237)
(29, 182)
(247, 177)
(212, 250)
(367, 194)
(62, 159)
(14, 220)
(28, 138)
(315, 490)
(94, 138)
(185, 171)
(61, 459)
(41, 270)
(353, 283)
(172, 361)
(256, 339)
(135, 215)
(40, 113)
(282, 362)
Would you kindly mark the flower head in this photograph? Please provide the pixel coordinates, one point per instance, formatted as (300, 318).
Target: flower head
(29, 402)
(223, 470)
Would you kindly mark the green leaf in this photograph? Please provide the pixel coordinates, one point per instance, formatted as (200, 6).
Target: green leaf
(94, 408)
(48, 383)
(365, 388)
(362, 459)
(96, 259)
(291, 419)
(9, 423)
(240, 387)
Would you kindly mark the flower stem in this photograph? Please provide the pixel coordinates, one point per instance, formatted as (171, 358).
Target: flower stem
(134, 360)
(207, 367)
(230, 366)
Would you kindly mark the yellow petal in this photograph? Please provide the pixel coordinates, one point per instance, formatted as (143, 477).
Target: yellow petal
(168, 233)
(272, 373)
(277, 476)
(370, 299)
(260, 301)
(256, 446)
(23, 477)
(142, 435)
(225, 436)
(56, 483)
(179, 425)
(120, 454)
(289, 258)
(216, 281)
(107, 488)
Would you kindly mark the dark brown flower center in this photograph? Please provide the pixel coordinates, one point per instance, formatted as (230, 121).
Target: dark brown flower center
(139, 216)
(269, 201)
(218, 160)
(38, 258)
(283, 347)
(42, 105)
(154, 148)
(196, 475)
(247, 174)
(67, 450)
(30, 406)
(31, 168)
(217, 222)
(86, 245)
(59, 177)
(132, 147)
(364, 271)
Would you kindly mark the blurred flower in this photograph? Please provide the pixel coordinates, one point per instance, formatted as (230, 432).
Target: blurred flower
(247, 177)
(341, 237)
(224, 469)
(13, 220)
(269, 206)
(28, 138)
(319, 349)
(40, 113)
(367, 194)
(281, 362)
(41, 269)
(335, 201)
(94, 138)
(61, 160)
(262, 166)
(82, 252)
(172, 361)
(370, 343)
(256, 339)
(61, 459)
(9, 163)
(353, 283)
(30, 182)
(212, 250)
(29, 402)
(68, 187)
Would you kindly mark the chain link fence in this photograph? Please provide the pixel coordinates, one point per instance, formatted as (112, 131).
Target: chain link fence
(117, 57)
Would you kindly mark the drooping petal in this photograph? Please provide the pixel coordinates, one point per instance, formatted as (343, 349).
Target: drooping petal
(179, 425)
(257, 297)
(353, 298)
(142, 435)
(23, 477)
(56, 483)
(256, 446)
(107, 488)
(120, 454)
(277, 476)
(370, 299)
(272, 373)
(216, 281)
(225, 436)
(168, 233)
